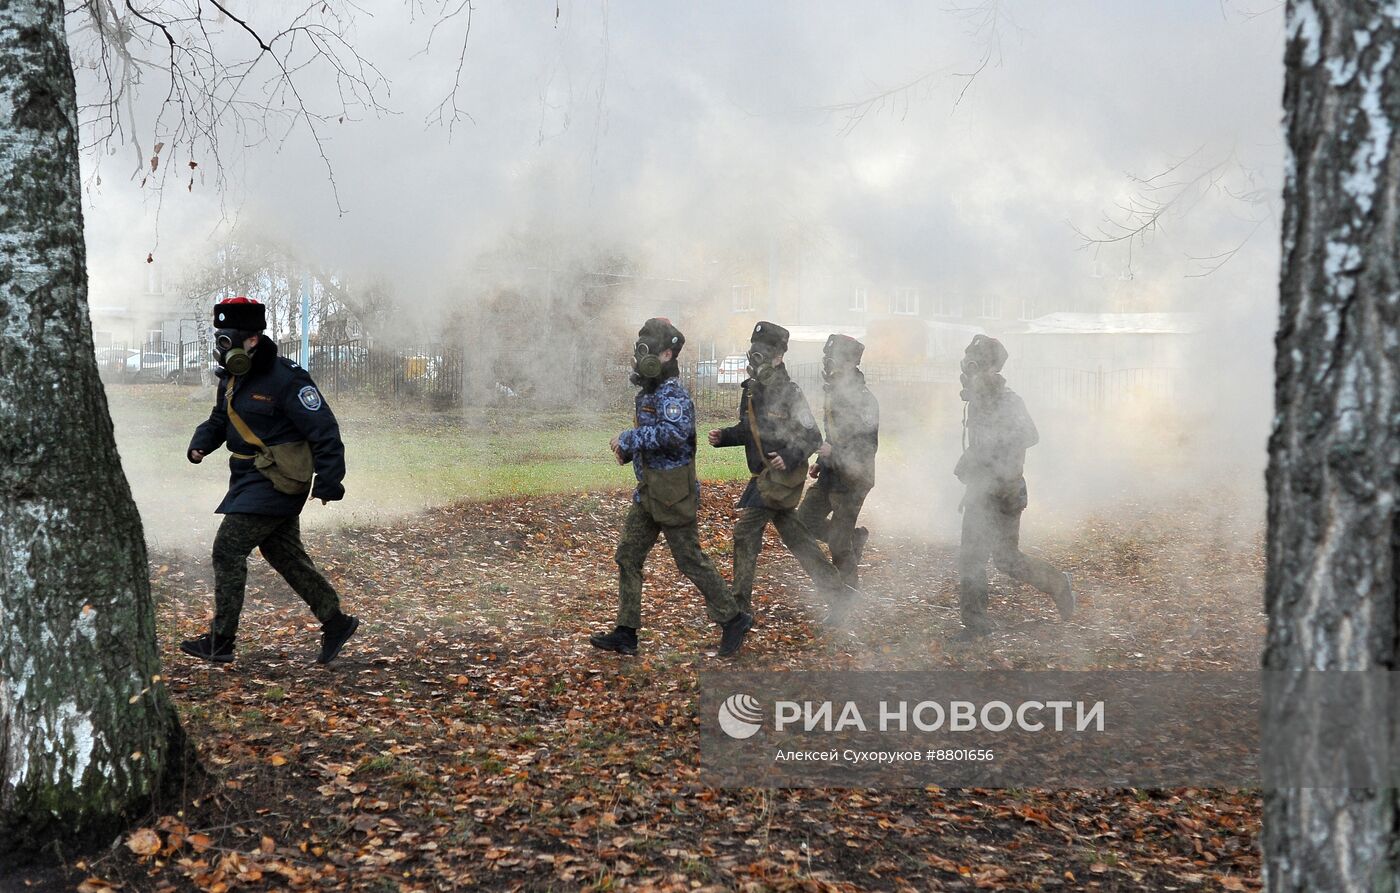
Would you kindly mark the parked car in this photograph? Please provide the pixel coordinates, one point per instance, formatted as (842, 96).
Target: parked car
(111, 361)
(153, 367)
(733, 369)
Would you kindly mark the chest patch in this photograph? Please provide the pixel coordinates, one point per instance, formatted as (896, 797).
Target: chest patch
(263, 398)
(310, 398)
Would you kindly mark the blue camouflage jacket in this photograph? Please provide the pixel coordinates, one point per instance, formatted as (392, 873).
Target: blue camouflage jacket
(664, 436)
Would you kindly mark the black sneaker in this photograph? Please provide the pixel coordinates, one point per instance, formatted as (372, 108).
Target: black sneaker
(334, 635)
(735, 629)
(623, 640)
(1064, 598)
(206, 647)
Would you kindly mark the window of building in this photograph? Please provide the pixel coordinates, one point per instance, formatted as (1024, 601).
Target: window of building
(906, 301)
(991, 306)
(860, 299)
(1028, 308)
(743, 298)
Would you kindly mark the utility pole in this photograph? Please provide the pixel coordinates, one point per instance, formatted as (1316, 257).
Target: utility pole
(305, 320)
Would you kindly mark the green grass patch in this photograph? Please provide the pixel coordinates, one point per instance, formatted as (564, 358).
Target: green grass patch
(398, 460)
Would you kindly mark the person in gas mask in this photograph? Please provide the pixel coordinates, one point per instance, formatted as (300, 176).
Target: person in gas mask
(778, 434)
(284, 444)
(661, 448)
(997, 433)
(845, 466)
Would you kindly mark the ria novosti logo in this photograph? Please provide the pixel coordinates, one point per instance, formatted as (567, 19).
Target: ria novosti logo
(740, 716)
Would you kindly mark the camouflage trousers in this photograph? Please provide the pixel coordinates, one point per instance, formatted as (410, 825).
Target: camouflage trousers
(748, 542)
(279, 540)
(639, 533)
(990, 531)
(830, 514)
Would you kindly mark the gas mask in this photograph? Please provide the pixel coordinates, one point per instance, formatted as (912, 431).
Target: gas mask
(229, 353)
(833, 368)
(760, 363)
(646, 363)
(980, 366)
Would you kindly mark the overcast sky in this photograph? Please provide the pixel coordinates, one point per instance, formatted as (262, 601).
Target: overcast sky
(666, 127)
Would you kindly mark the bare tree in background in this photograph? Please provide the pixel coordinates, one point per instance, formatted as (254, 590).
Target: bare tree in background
(1332, 593)
(249, 263)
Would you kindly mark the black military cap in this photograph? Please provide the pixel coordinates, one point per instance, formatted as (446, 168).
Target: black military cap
(989, 353)
(843, 348)
(243, 314)
(660, 335)
(771, 334)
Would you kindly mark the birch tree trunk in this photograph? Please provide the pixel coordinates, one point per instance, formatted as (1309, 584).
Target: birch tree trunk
(1334, 454)
(87, 732)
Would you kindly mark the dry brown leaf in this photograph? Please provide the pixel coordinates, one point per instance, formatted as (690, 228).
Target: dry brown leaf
(143, 842)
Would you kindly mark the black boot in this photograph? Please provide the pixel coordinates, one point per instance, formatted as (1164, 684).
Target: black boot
(858, 541)
(973, 630)
(735, 628)
(623, 640)
(208, 647)
(334, 634)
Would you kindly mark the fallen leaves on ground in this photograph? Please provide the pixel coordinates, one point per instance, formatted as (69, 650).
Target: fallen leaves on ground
(469, 736)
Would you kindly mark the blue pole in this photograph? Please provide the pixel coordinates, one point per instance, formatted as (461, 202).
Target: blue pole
(305, 321)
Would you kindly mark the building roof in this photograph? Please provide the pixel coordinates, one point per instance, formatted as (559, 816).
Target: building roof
(1113, 324)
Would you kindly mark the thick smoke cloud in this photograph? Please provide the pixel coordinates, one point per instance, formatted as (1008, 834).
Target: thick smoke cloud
(675, 132)
(666, 127)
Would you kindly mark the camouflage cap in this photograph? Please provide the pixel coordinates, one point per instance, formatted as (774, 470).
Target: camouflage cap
(771, 334)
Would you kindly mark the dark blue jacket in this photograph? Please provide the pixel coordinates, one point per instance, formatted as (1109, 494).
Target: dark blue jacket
(665, 433)
(280, 404)
(785, 425)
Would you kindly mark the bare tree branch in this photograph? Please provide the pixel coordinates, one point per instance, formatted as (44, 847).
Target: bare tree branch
(216, 92)
(984, 22)
(448, 111)
(1172, 193)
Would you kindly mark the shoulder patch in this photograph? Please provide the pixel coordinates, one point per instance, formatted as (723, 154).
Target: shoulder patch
(804, 415)
(310, 398)
(673, 410)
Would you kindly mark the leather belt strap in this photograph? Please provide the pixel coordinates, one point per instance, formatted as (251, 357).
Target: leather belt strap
(239, 425)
